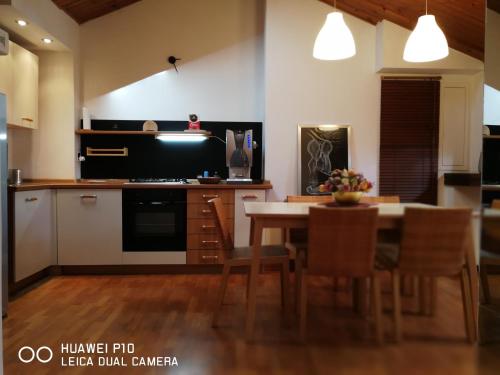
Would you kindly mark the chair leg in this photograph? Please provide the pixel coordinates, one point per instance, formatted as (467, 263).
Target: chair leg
(485, 286)
(422, 295)
(221, 293)
(377, 307)
(298, 279)
(396, 304)
(303, 305)
(467, 305)
(285, 288)
(433, 295)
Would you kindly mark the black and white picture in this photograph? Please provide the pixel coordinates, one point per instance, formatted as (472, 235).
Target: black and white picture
(322, 148)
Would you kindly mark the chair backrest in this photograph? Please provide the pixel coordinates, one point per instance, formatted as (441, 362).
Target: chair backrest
(219, 216)
(433, 240)
(495, 204)
(342, 241)
(381, 199)
(309, 198)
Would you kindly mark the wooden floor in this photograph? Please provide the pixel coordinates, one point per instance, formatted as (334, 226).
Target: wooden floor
(169, 315)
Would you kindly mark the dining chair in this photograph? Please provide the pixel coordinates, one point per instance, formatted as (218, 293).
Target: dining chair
(432, 245)
(242, 256)
(296, 239)
(341, 243)
(489, 260)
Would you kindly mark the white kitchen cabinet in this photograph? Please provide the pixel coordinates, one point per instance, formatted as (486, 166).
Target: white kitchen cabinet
(242, 222)
(19, 82)
(89, 226)
(24, 95)
(454, 127)
(6, 83)
(34, 232)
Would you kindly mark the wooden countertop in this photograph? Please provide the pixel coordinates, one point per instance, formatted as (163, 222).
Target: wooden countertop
(125, 184)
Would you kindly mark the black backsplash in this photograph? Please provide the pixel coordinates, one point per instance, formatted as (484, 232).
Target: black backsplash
(149, 157)
(491, 157)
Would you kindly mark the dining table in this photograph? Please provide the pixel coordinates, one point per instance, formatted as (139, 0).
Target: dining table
(288, 215)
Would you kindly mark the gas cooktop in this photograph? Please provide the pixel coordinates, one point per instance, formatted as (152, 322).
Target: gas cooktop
(159, 180)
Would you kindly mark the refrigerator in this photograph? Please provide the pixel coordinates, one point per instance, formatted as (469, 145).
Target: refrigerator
(3, 202)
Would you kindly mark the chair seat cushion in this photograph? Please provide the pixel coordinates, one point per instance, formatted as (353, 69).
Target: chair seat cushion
(267, 251)
(387, 255)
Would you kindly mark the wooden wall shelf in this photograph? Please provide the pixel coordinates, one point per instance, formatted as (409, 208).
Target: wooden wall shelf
(139, 132)
(462, 179)
(115, 132)
(491, 136)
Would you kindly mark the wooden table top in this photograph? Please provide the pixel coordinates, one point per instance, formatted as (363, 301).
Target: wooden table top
(301, 210)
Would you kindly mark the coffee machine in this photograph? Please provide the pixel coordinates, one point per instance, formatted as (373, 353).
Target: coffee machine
(239, 154)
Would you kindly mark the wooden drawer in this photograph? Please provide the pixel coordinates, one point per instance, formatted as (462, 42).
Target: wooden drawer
(206, 226)
(204, 242)
(204, 195)
(202, 211)
(205, 256)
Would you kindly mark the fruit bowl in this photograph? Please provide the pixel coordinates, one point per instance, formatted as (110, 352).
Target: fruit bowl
(348, 198)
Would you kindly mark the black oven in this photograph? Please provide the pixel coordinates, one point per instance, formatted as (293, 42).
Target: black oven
(154, 220)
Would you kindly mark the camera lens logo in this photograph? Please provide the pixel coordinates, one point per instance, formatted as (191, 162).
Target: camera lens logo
(27, 354)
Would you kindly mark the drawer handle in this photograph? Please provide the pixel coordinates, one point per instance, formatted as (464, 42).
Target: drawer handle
(252, 196)
(209, 257)
(207, 227)
(213, 242)
(205, 211)
(88, 196)
(32, 199)
(27, 119)
(210, 196)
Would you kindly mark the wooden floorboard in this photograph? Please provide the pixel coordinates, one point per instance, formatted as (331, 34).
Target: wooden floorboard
(169, 315)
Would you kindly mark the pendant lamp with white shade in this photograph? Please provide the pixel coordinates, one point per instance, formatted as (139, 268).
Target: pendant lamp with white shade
(334, 40)
(427, 42)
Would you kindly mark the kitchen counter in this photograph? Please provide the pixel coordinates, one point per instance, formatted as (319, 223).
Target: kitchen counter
(125, 184)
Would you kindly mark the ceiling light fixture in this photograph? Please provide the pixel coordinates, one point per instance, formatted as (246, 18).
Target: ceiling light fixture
(334, 40)
(21, 23)
(47, 40)
(427, 42)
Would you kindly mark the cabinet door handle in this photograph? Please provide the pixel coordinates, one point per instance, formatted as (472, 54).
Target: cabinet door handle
(27, 119)
(213, 242)
(205, 212)
(32, 199)
(250, 196)
(207, 227)
(210, 196)
(88, 196)
(209, 257)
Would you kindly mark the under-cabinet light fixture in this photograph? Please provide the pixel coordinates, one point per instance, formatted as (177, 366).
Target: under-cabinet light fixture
(184, 136)
(21, 22)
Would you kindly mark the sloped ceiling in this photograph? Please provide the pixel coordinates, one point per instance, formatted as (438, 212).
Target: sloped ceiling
(85, 10)
(462, 21)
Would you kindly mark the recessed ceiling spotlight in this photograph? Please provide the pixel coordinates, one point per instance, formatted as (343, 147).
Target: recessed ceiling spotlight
(21, 22)
(47, 40)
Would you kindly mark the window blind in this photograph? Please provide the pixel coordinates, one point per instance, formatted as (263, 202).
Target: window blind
(409, 139)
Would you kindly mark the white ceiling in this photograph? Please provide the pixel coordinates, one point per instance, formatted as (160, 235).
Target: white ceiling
(30, 36)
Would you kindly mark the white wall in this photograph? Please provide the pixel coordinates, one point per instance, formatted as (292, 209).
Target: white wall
(302, 90)
(220, 75)
(49, 152)
(491, 105)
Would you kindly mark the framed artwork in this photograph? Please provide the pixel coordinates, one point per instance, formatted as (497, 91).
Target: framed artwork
(322, 148)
